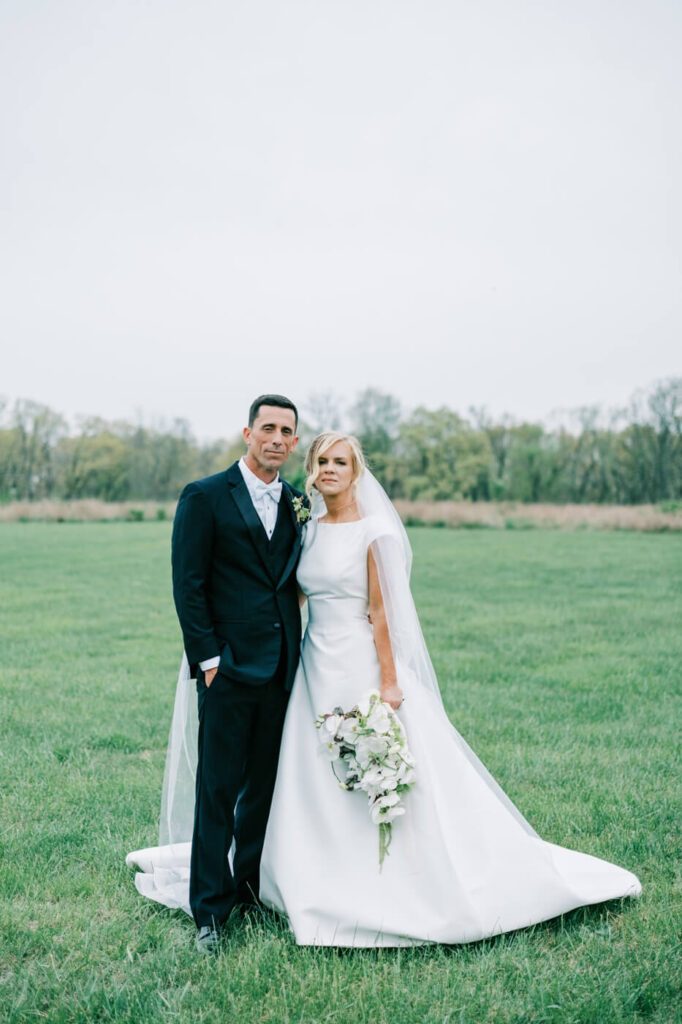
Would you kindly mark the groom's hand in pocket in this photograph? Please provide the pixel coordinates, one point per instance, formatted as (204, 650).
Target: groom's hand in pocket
(209, 675)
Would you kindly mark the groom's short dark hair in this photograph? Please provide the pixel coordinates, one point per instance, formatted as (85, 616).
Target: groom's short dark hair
(278, 400)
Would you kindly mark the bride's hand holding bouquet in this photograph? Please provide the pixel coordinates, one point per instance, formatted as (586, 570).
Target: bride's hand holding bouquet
(391, 693)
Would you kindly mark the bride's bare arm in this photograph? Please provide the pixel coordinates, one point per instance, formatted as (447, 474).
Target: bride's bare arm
(390, 691)
(301, 597)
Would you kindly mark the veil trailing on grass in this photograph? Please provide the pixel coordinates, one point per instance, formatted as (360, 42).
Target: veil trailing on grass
(393, 556)
(177, 798)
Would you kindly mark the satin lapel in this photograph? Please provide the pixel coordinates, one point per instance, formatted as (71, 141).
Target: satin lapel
(296, 547)
(242, 500)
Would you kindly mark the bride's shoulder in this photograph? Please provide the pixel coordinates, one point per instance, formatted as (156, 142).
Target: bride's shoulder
(377, 526)
(309, 530)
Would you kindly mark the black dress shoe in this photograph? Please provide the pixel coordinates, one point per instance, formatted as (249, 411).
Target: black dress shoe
(208, 940)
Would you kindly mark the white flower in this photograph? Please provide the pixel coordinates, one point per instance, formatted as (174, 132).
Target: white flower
(331, 724)
(373, 776)
(382, 815)
(367, 747)
(391, 813)
(330, 750)
(375, 813)
(348, 729)
(379, 719)
(389, 800)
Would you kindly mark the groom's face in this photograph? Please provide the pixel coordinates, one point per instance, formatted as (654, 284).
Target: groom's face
(270, 440)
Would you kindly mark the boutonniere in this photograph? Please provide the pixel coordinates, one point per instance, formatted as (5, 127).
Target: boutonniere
(301, 511)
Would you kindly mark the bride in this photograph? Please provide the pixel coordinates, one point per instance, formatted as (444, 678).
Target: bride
(464, 863)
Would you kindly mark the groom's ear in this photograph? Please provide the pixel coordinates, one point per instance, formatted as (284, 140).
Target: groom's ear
(294, 442)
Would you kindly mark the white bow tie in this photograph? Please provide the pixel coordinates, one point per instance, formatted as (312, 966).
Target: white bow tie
(273, 490)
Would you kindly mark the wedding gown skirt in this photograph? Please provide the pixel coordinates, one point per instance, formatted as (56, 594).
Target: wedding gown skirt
(463, 863)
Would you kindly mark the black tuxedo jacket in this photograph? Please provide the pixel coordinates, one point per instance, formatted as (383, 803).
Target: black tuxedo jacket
(235, 591)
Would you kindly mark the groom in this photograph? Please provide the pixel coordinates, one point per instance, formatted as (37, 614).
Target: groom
(236, 542)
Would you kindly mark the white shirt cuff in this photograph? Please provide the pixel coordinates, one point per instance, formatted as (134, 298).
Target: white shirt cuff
(209, 663)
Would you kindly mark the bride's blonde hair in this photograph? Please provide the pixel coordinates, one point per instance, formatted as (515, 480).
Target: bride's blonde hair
(321, 444)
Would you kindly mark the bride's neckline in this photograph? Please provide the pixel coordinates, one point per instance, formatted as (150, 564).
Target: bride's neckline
(351, 522)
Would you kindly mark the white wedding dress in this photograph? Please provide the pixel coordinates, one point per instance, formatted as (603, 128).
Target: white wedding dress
(463, 863)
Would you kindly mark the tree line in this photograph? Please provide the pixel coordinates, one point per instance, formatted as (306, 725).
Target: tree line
(629, 456)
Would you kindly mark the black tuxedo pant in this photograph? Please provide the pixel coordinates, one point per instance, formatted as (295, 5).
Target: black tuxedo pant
(240, 728)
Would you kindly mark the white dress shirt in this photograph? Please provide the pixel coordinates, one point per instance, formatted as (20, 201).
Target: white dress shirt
(265, 497)
(266, 505)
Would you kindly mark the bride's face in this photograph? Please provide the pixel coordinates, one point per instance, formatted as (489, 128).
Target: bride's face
(335, 473)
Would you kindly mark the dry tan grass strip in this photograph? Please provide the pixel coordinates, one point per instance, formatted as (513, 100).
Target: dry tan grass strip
(497, 515)
(565, 517)
(83, 510)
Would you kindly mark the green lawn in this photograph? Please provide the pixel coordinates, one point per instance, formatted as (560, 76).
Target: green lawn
(559, 655)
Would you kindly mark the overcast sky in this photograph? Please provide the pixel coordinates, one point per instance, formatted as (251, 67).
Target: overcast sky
(460, 203)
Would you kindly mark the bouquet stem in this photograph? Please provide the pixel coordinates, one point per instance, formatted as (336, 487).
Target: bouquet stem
(385, 836)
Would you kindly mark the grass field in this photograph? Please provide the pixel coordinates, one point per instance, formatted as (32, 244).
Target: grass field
(560, 658)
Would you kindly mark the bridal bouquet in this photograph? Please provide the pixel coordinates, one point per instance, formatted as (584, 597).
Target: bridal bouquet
(370, 743)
